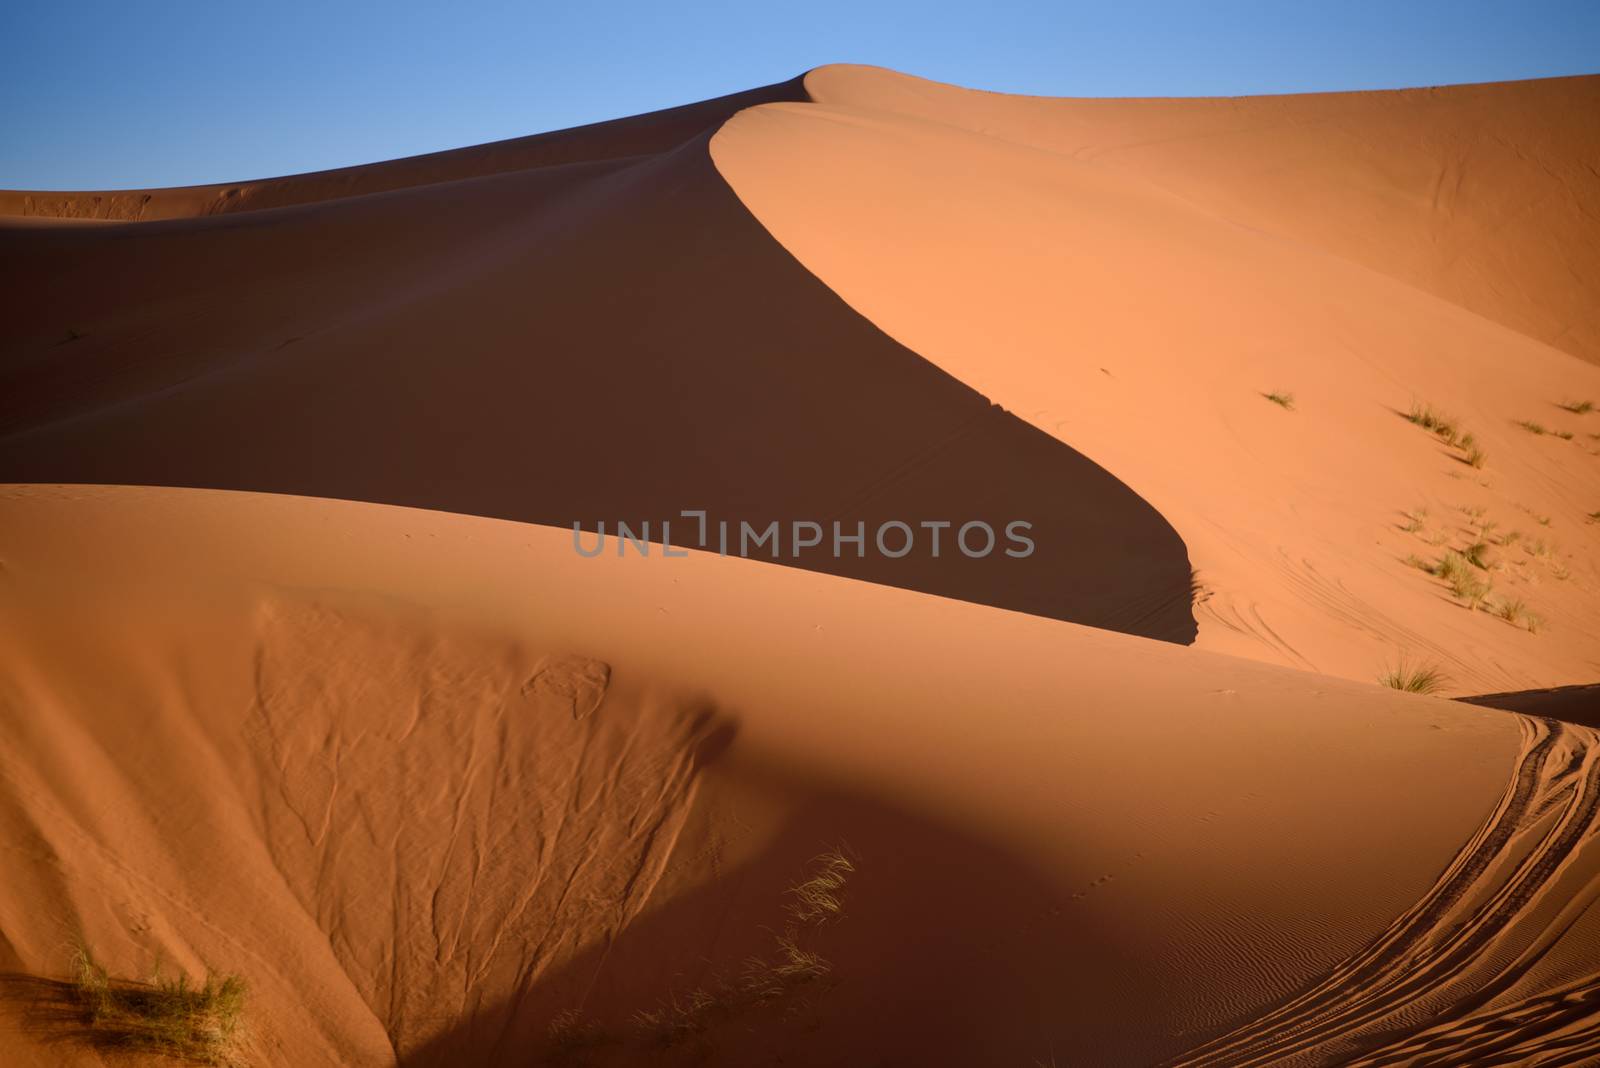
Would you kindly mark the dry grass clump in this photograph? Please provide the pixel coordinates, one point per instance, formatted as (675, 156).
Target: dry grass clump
(1459, 572)
(1539, 428)
(1448, 430)
(1423, 679)
(1282, 400)
(1443, 426)
(1514, 611)
(816, 901)
(1583, 407)
(173, 1018)
(1476, 555)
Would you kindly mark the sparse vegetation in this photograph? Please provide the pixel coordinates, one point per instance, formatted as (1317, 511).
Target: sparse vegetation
(173, 1018)
(1564, 435)
(1583, 407)
(1442, 426)
(1475, 554)
(1531, 427)
(817, 900)
(1423, 679)
(1458, 572)
(1448, 430)
(1514, 611)
(1282, 400)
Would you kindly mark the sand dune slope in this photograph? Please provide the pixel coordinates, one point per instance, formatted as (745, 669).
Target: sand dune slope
(594, 342)
(432, 782)
(617, 139)
(1134, 277)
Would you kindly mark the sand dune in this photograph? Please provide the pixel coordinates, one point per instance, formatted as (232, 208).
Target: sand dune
(371, 757)
(1115, 299)
(302, 678)
(585, 343)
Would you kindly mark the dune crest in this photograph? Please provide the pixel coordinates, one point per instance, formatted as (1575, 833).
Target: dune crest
(1070, 261)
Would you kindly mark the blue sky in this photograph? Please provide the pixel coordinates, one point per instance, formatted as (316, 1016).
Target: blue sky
(98, 96)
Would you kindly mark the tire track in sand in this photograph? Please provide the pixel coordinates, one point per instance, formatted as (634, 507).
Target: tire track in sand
(1479, 929)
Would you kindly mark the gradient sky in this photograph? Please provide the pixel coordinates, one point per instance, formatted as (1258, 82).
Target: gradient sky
(99, 96)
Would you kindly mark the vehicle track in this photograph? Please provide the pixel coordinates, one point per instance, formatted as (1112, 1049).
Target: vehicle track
(1465, 942)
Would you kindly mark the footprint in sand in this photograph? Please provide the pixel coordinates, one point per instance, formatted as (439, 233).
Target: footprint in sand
(576, 684)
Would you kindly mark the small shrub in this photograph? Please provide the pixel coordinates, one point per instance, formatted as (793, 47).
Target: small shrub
(1423, 679)
(1475, 555)
(1282, 400)
(1564, 435)
(1457, 570)
(1476, 457)
(1442, 425)
(166, 1017)
(1582, 407)
(1531, 427)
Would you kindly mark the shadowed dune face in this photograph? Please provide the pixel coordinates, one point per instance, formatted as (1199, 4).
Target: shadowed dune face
(429, 782)
(1136, 278)
(595, 343)
(445, 791)
(634, 136)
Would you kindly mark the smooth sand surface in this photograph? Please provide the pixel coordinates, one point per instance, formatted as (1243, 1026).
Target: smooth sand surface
(1077, 268)
(302, 679)
(430, 779)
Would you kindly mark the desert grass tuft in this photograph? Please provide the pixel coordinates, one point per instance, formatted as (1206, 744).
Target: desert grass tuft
(1531, 427)
(1423, 679)
(685, 1018)
(1457, 570)
(1476, 555)
(1282, 400)
(816, 900)
(1583, 407)
(1427, 418)
(1448, 430)
(1515, 611)
(174, 1018)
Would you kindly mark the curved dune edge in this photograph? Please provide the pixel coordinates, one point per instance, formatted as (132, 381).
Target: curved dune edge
(617, 139)
(594, 342)
(429, 781)
(1092, 266)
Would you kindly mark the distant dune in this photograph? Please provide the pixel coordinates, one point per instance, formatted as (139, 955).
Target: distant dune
(301, 678)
